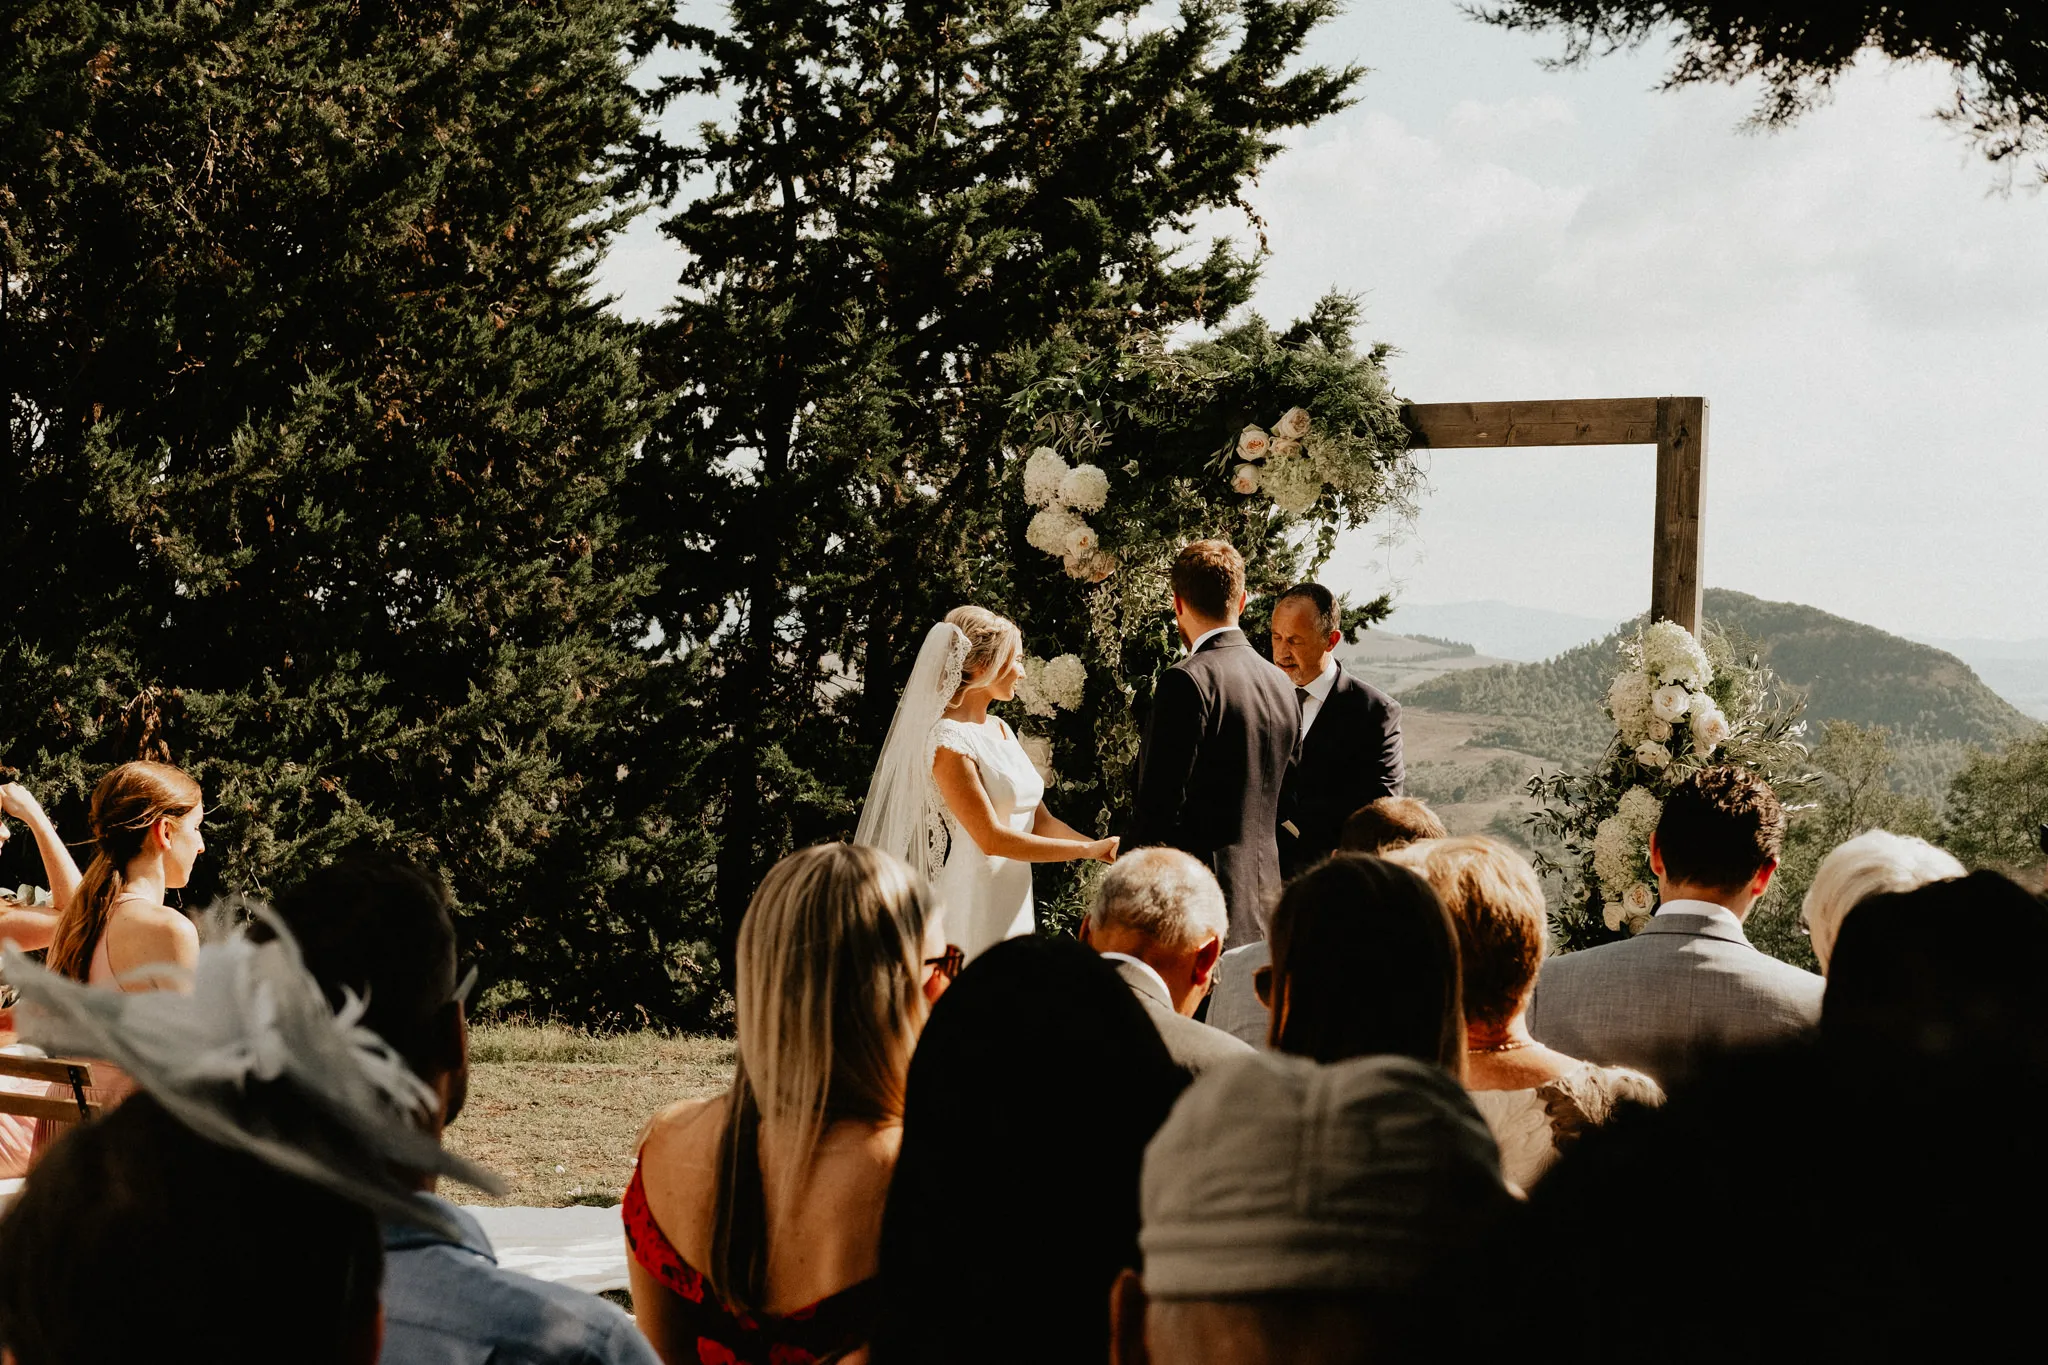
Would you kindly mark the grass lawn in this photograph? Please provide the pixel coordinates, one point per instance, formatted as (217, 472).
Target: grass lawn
(558, 1112)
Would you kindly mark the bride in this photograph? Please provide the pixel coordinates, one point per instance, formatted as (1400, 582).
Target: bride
(956, 795)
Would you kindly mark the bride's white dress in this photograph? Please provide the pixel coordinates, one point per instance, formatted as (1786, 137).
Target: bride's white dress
(985, 899)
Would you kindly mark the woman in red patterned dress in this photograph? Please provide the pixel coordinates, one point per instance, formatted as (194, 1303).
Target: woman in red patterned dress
(754, 1219)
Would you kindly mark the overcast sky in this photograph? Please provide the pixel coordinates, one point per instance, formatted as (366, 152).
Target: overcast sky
(1866, 314)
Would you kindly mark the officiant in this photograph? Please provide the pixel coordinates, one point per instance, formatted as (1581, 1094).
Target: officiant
(1350, 732)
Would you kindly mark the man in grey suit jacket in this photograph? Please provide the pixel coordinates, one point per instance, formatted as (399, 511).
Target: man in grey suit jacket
(1689, 983)
(1159, 916)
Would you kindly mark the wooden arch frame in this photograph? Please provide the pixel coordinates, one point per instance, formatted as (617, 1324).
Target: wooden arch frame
(1676, 426)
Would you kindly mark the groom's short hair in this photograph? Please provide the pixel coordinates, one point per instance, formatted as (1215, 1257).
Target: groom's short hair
(1208, 575)
(1720, 828)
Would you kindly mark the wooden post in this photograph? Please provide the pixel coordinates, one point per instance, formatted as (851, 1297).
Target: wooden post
(1678, 428)
(1676, 579)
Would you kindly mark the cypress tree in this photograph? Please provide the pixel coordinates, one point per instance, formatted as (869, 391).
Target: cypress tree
(316, 437)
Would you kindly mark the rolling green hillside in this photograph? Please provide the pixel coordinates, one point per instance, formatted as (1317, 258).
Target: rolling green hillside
(1932, 702)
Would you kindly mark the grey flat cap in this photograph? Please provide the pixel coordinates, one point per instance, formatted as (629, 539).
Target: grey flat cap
(1274, 1174)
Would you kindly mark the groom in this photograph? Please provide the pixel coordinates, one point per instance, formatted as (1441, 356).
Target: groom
(1222, 733)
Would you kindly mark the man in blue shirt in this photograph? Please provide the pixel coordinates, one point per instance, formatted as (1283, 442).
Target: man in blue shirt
(379, 926)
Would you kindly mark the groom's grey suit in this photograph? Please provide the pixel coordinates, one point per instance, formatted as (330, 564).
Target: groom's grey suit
(1224, 728)
(1688, 984)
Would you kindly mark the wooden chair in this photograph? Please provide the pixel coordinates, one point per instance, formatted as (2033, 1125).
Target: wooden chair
(58, 1070)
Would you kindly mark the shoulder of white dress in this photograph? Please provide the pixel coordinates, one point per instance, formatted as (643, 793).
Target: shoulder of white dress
(951, 734)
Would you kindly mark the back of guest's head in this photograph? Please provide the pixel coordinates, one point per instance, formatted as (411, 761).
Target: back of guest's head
(376, 925)
(1868, 865)
(1209, 577)
(1303, 1206)
(1496, 902)
(1365, 961)
(1719, 829)
(1165, 895)
(1950, 971)
(827, 986)
(135, 1239)
(126, 805)
(1036, 1085)
(1389, 823)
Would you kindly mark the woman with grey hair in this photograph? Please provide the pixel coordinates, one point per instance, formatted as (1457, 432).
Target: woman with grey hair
(1868, 865)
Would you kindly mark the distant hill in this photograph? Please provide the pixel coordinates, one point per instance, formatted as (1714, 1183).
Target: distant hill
(1499, 628)
(1932, 701)
(2015, 669)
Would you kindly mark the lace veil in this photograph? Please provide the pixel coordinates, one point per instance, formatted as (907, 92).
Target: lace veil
(255, 1060)
(902, 815)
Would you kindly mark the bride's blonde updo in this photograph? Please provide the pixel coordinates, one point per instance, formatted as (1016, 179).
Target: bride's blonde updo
(992, 641)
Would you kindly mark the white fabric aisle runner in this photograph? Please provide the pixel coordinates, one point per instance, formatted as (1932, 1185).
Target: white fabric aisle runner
(580, 1246)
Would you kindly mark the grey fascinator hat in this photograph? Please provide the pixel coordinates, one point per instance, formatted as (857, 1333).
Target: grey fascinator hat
(255, 1060)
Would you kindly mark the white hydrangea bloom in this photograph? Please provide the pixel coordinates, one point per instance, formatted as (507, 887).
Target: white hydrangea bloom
(1081, 541)
(1651, 754)
(1253, 443)
(1031, 688)
(1085, 488)
(1245, 479)
(1615, 853)
(1051, 529)
(1672, 655)
(1292, 484)
(1038, 749)
(1710, 730)
(1293, 424)
(1670, 703)
(1043, 474)
(1640, 810)
(1628, 701)
(1640, 899)
(1063, 680)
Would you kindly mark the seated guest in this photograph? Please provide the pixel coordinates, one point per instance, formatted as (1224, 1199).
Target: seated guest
(1160, 916)
(1390, 822)
(1034, 1091)
(1536, 1100)
(1293, 1214)
(29, 927)
(1867, 865)
(228, 1211)
(1365, 961)
(378, 926)
(754, 1219)
(1689, 983)
(117, 933)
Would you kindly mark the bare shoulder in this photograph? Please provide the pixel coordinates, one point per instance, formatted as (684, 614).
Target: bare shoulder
(685, 1132)
(141, 935)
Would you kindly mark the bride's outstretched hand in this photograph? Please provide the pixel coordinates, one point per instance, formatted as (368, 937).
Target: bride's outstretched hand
(1104, 849)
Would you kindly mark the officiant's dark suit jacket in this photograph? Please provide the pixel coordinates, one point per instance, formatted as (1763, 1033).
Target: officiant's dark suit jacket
(1222, 732)
(1350, 757)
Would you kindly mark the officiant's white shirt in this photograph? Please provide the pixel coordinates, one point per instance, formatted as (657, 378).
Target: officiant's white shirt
(1318, 692)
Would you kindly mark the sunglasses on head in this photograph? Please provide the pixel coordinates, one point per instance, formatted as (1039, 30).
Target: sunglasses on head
(949, 964)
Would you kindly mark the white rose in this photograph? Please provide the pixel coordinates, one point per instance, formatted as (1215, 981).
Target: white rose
(1670, 703)
(1245, 479)
(1660, 730)
(1641, 899)
(1709, 730)
(1085, 488)
(1636, 923)
(1653, 755)
(1610, 915)
(1252, 443)
(1286, 449)
(1081, 541)
(1091, 568)
(1293, 424)
(1043, 474)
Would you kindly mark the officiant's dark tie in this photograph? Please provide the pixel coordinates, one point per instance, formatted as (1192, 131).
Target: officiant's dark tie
(1301, 705)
